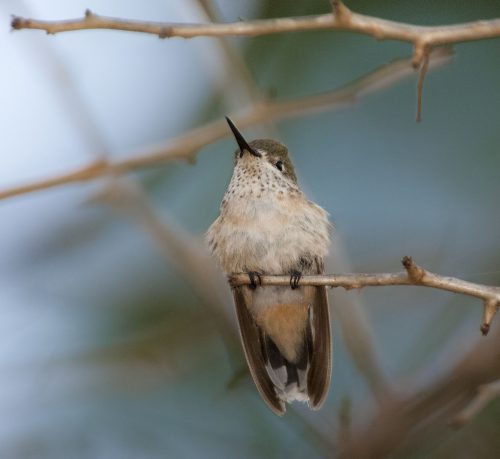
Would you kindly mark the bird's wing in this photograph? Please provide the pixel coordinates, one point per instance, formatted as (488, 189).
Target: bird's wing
(253, 346)
(319, 375)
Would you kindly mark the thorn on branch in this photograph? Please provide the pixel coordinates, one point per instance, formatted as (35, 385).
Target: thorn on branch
(165, 32)
(340, 11)
(414, 275)
(18, 23)
(415, 272)
(490, 309)
(419, 52)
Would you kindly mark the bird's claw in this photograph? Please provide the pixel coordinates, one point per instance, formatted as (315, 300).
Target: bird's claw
(294, 279)
(255, 279)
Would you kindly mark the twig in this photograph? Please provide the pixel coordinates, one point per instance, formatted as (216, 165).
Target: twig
(420, 85)
(186, 146)
(83, 174)
(341, 19)
(485, 394)
(414, 275)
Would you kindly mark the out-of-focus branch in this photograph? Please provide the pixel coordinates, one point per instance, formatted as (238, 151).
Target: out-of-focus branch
(402, 422)
(414, 275)
(485, 394)
(342, 18)
(420, 85)
(236, 68)
(65, 90)
(86, 173)
(237, 87)
(344, 415)
(186, 146)
(188, 255)
(351, 316)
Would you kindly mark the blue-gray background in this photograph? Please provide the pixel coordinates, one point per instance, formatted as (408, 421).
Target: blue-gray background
(104, 350)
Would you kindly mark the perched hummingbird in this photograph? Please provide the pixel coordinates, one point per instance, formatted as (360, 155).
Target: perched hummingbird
(267, 226)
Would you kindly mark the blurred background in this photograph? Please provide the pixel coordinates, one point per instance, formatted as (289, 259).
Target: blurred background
(112, 342)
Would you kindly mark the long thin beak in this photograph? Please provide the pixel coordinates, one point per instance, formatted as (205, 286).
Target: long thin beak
(242, 143)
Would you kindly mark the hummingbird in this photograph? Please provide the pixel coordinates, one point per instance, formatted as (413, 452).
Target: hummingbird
(267, 226)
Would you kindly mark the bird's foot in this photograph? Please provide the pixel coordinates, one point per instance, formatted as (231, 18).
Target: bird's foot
(295, 278)
(255, 279)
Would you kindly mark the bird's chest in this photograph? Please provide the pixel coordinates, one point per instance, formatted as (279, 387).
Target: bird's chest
(264, 233)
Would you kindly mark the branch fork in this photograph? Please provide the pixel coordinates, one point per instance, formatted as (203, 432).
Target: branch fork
(416, 274)
(423, 38)
(341, 14)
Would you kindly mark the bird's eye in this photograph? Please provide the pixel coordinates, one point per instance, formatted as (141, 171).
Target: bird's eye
(279, 165)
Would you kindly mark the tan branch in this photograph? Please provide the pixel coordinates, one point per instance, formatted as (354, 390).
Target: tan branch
(186, 146)
(82, 174)
(341, 19)
(413, 275)
(490, 309)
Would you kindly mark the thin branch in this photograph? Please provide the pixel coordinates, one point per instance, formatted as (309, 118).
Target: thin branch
(420, 85)
(485, 395)
(236, 69)
(351, 315)
(413, 275)
(82, 174)
(186, 146)
(345, 422)
(341, 19)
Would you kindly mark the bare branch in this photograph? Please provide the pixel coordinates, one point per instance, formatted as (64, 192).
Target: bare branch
(187, 145)
(485, 394)
(83, 174)
(341, 19)
(414, 275)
